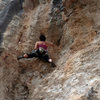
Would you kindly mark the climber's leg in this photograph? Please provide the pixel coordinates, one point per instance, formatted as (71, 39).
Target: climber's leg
(49, 60)
(45, 57)
(28, 55)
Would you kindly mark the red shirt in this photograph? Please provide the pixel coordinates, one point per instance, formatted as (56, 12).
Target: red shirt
(43, 45)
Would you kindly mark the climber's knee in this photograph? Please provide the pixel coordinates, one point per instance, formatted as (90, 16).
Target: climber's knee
(25, 55)
(49, 60)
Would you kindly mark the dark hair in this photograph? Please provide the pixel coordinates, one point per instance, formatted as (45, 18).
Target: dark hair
(42, 37)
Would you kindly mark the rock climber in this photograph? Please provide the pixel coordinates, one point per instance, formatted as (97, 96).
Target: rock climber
(40, 50)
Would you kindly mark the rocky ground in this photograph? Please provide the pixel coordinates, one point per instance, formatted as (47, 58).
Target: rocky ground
(75, 32)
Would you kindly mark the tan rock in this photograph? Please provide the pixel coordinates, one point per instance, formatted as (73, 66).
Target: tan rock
(30, 4)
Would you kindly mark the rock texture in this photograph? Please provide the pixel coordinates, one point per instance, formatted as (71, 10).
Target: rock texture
(9, 9)
(74, 28)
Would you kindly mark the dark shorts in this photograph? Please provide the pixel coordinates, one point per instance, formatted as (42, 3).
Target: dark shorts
(38, 54)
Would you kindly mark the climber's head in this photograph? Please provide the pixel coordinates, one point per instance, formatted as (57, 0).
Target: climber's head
(42, 37)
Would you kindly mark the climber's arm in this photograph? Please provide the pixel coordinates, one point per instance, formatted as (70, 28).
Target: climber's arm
(49, 43)
(36, 44)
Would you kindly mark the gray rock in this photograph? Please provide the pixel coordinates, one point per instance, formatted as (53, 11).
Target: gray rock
(6, 15)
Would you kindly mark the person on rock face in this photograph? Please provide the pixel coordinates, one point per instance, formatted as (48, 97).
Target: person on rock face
(40, 50)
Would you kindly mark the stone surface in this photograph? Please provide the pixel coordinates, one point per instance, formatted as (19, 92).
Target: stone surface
(9, 9)
(76, 54)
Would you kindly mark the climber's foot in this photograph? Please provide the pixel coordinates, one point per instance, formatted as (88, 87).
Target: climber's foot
(53, 65)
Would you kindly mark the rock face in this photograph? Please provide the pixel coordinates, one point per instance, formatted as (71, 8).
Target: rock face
(74, 28)
(10, 8)
(30, 4)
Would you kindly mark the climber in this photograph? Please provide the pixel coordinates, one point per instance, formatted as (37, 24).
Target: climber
(40, 50)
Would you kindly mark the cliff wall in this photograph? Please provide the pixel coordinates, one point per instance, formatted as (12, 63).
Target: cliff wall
(75, 31)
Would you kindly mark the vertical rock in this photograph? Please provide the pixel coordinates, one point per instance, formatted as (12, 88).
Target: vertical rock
(30, 4)
(6, 15)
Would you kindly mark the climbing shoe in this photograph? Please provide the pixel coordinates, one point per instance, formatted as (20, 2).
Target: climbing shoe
(53, 65)
(20, 57)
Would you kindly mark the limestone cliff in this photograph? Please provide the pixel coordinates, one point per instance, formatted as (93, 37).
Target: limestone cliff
(74, 28)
